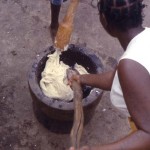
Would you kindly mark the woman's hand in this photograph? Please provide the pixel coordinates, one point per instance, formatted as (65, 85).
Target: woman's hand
(73, 75)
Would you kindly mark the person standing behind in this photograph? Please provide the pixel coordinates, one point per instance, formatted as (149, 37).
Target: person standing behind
(55, 10)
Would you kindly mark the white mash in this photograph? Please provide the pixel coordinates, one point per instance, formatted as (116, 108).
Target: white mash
(54, 78)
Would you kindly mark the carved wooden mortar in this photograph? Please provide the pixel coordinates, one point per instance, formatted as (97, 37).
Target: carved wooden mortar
(57, 115)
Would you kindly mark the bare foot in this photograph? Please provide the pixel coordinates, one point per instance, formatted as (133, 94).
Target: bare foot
(53, 31)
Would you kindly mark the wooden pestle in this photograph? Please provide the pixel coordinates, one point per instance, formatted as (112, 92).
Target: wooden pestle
(78, 122)
(66, 27)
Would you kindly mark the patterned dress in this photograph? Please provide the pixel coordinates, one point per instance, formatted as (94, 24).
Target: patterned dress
(57, 2)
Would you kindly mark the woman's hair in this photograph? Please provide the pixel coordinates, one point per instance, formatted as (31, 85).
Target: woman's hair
(122, 14)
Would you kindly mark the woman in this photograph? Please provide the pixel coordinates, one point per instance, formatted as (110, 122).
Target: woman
(129, 83)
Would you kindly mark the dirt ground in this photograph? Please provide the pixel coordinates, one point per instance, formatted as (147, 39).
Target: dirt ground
(24, 33)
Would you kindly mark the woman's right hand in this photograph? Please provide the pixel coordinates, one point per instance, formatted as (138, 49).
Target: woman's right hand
(73, 75)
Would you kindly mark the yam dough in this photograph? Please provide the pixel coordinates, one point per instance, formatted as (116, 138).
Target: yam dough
(54, 78)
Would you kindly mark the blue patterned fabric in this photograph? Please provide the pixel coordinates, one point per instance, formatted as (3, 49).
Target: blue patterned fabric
(56, 2)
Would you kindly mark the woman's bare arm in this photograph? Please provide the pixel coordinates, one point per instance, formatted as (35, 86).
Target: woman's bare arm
(102, 81)
(135, 83)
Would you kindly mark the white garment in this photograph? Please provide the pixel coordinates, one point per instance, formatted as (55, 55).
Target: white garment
(139, 51)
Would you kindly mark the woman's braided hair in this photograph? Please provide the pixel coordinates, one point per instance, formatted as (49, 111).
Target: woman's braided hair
(122, 14)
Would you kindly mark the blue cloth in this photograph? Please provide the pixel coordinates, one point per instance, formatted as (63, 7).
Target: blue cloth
(56, 2)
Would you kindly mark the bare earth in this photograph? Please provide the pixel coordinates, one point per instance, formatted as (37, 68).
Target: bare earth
(24, 33)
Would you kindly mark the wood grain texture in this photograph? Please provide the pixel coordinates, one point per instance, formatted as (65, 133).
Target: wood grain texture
(77, 128)
(66, 27)
(78, 122)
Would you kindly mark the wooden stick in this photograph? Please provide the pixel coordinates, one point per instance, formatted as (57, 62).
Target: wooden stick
(77, 128)
(78, 122)
(66, 27)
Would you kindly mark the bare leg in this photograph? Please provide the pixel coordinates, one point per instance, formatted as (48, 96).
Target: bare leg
(55, 9)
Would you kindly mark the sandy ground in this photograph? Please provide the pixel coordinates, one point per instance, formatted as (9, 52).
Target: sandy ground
(24, 34)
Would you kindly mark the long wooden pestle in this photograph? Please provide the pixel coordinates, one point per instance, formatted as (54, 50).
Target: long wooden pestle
(78, 122)
(66, 27)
